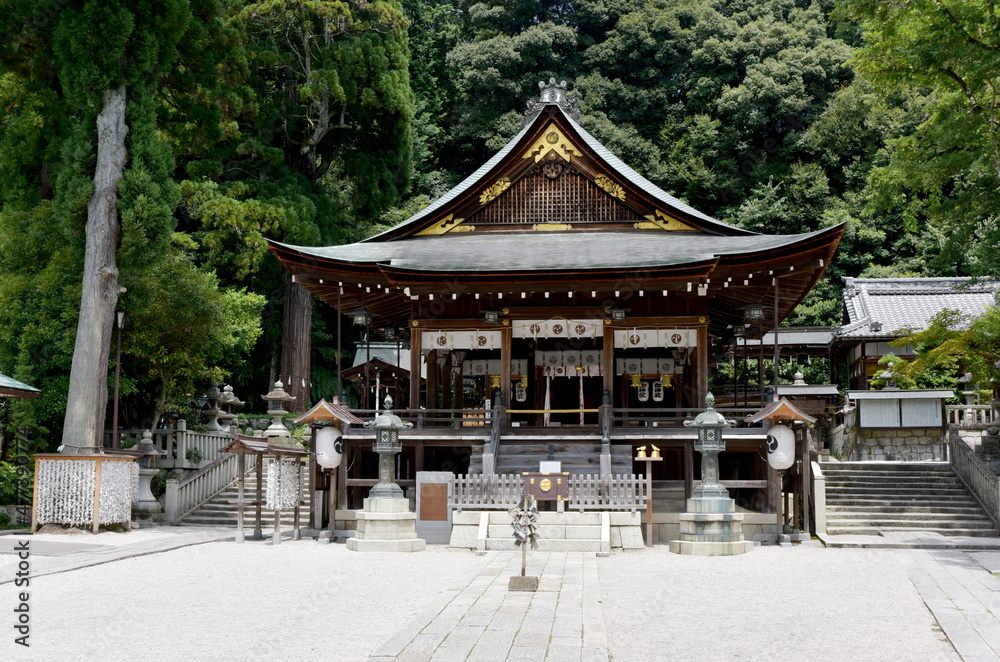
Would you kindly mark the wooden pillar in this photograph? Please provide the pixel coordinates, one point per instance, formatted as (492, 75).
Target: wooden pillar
(340, 484)
(506, 341)
(701, 366)
(418, 458)
(415, 338)
(432, 380)
(608, 362)
(446, 383)
(460, 386)
(688, 468)
(774, 493)
(806, 474)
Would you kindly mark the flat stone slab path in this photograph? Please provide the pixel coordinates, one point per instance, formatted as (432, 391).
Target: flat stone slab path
(479, 620)
(962, 592)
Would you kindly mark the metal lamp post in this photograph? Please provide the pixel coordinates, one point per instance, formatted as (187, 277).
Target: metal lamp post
(387, 426)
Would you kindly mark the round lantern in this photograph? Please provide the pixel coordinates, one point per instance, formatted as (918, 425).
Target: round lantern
(780, 447)
(329, 447)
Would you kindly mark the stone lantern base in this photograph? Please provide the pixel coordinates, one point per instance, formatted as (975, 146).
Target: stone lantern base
(711, 527)
(386, 525)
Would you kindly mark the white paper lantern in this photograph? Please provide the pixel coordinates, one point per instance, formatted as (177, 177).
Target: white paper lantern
(329, 447)
(780, 447)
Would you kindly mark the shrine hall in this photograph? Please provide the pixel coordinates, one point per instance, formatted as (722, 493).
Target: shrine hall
(563, 307)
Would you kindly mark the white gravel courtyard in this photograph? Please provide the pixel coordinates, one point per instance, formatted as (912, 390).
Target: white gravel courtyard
(305, 601)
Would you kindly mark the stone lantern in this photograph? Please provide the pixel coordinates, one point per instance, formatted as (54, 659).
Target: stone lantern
(711, 526)
(276, 401)
(212, 396)
(387, 426)
(146, 506)
(385, 524)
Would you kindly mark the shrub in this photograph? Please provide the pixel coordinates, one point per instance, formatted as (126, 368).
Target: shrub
(194, 455)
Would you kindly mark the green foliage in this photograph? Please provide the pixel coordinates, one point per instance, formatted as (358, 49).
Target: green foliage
(184, 326)
(8, 485)
(194, 455)
(951, 346)
(948, 169)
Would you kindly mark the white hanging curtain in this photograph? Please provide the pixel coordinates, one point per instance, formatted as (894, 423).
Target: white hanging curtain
(548, 399)
(581, 399)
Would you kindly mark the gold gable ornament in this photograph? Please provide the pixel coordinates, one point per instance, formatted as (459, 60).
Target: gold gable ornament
(555, 141)
(610, 187)
(660, 221)
(447, 224)
(493, 192)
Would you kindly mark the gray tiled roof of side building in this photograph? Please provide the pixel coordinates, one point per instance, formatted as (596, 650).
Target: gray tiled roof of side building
(886, 307)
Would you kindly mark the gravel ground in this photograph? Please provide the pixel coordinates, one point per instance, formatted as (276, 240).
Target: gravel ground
(221, 601)
(800, 603)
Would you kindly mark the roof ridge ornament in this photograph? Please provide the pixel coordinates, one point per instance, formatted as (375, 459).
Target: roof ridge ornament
(552, 92)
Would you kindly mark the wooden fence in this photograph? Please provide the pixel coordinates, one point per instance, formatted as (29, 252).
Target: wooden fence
(977, 476)
(615, 492)
(586, 492)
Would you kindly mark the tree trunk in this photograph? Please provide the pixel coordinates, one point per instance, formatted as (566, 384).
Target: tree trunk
(296, 344)
(87, 400)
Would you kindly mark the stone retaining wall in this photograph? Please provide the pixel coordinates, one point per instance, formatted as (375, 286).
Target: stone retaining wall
(902, 445)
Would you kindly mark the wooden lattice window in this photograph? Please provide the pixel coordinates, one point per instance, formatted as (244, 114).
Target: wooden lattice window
(538, 197)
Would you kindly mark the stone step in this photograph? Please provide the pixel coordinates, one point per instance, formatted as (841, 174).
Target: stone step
(885, 466)
(892, 491)
(894, 480)
(843, 519)
(949, 511)
(881, 500)
(874, 531)
(545, 545)
(550, 532)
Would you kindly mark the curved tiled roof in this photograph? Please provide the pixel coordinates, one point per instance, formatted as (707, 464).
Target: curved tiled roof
(550, 251)
(888, 307)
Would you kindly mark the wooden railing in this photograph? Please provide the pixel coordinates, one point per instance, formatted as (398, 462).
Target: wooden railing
(433, 418)
(670, 416)
(970, 416)
(586, 492)
(977, 476)
(183, 496)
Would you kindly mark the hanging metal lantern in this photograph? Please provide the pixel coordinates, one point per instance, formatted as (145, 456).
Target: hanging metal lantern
(780, 447)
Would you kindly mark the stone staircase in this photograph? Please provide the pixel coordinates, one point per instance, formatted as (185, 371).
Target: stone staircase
(874, 498)
(592, 531)
(517, 455)
(218, 511)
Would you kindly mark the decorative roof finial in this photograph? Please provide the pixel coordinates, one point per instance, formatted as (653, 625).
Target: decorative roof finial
(555, 93)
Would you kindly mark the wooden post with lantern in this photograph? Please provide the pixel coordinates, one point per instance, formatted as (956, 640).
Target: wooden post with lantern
(654, 456)
(781, 449)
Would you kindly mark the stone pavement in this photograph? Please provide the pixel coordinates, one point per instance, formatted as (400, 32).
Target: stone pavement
(963, 593)
(478, 620)
(73, 552)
